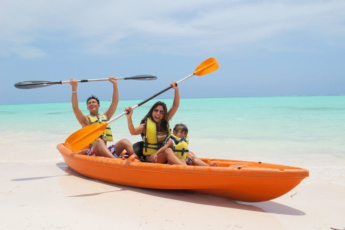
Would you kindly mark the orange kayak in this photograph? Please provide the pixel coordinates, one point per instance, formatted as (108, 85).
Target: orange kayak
(235, 180)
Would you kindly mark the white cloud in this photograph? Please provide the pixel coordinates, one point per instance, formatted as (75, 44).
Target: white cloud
(27, 27)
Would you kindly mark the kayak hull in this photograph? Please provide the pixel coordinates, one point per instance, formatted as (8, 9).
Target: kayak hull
(235, 180)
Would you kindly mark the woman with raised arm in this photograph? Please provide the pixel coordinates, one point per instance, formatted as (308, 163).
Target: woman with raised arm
(154, 129)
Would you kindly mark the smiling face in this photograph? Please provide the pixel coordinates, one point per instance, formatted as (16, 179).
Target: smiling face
(158, 114)
(93, 106)
(180, 130)
(180, 134)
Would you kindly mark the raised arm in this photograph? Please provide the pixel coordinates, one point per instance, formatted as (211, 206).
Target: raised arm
(176, 102)
(83, 120)
(132, 130)
(115, 100)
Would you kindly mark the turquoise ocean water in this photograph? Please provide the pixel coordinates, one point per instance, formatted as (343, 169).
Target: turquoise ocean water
(302, 131)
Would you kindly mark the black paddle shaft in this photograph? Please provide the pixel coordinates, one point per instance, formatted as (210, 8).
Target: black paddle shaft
(143, 102)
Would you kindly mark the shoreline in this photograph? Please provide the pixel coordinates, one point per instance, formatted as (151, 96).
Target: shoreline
(38, 190)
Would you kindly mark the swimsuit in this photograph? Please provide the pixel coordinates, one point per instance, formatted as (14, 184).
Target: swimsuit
(111, 148)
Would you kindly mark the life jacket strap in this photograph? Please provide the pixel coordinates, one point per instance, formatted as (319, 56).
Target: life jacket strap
(182, 151)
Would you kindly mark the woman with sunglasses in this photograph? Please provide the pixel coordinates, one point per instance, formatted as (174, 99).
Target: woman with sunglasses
(154, 129)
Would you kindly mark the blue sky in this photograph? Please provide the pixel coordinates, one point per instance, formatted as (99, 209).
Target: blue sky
(264, 48)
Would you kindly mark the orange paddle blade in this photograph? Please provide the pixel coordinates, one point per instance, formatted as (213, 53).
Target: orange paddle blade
(206, 67)
(84, 136)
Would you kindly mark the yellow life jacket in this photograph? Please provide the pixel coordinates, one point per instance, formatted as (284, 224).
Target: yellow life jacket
(150, 139)
(181, 146)
(107, 135)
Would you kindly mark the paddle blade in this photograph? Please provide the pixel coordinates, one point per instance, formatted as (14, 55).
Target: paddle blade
(33, 84)
(83, 137)
(206, 67)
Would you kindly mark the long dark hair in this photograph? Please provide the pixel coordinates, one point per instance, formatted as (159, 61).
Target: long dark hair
(164, 123)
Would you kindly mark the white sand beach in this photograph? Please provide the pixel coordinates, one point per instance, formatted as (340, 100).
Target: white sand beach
(39, 191)
(277, 97)
(49, 195)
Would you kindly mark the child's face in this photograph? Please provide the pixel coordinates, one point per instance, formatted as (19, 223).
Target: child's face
(180, 134)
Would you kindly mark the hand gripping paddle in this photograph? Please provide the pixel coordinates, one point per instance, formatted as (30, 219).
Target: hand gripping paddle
(86, 135)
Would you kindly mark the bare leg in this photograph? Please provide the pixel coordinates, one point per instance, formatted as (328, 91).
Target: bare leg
(173, 159)
(83, 152)
(169, 155)
(164, 156)
(101, 149)
(183, 161)
(195, 160)
(124, 144)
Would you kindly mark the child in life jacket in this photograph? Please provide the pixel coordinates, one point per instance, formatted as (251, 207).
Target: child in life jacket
(178, 143)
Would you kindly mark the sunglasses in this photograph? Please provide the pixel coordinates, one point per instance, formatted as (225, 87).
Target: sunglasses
(157, 110)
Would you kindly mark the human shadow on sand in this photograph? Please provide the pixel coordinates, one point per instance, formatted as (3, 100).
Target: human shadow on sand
(191, 197)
